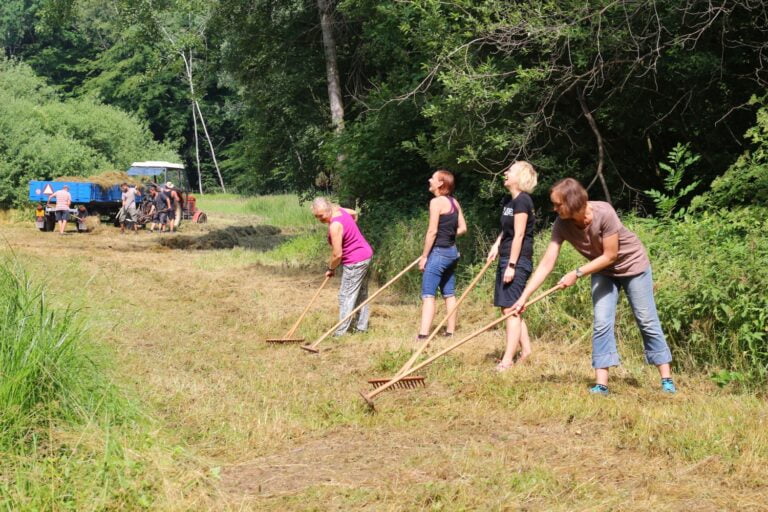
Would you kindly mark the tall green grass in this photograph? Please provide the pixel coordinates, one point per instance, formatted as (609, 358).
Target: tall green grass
(69, 439)
(46, 373)
(283, 211)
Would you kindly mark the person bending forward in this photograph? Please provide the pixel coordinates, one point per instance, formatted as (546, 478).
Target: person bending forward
(350, 250)
(617, 259)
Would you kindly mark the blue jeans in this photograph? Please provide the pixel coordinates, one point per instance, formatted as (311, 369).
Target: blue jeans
(440, 271)
(605, 295)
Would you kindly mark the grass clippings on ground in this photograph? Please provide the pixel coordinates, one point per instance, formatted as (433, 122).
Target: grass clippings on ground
(266, 427)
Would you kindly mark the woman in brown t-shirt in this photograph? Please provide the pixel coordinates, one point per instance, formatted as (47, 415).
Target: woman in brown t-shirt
(617, 259)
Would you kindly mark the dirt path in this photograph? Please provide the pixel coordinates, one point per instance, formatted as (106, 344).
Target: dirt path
(278, 429)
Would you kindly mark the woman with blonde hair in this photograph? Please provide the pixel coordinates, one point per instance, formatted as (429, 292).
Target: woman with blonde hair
(440, 256)
(514, 248)
(351, 251)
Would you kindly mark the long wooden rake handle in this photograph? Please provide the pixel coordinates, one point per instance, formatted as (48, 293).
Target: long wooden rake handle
(415, 356)
(311, 301)
(313, 346)
(369, 397)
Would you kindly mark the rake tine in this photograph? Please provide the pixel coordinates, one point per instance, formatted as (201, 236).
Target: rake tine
(399, 378)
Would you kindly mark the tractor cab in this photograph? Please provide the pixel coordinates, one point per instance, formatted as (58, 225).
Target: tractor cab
(160, 173)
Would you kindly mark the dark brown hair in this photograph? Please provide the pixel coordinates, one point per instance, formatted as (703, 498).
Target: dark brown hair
(573, 195)
(449, 184)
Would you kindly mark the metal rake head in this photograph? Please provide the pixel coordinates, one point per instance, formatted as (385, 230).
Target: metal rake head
(284, 340)
(413, 381)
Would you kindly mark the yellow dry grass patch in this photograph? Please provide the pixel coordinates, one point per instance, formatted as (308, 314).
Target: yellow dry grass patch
(267, 427)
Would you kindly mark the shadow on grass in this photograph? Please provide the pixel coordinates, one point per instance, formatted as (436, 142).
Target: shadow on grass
(260, 238)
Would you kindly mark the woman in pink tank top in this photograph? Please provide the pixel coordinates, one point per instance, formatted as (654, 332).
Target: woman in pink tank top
(351, 251)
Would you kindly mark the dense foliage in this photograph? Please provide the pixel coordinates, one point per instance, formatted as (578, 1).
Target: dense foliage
(601, 91)
(44, 137)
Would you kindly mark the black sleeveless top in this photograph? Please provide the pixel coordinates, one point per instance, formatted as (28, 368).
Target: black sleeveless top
(447, 225)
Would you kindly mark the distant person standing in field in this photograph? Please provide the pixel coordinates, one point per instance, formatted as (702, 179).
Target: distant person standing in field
(162, 205)
(514, 248)
(440, 255)
(350, 250)
(63, 202)
(174, 216)
(617, 259)
(128, 211)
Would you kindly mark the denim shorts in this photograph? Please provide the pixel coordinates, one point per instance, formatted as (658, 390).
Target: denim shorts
(506, 294)
(62, 215)
(440, 272)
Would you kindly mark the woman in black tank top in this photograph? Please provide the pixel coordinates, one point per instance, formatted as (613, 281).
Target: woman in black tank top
(440, 256)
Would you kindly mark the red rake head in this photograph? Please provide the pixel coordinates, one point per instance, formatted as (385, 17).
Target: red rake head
(413, 381)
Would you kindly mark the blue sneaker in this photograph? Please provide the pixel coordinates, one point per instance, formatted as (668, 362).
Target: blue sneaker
(599, 389)
(667, 386)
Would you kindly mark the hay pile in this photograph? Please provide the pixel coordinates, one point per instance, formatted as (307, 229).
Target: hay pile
(92, 223)
(261, 238)
(105, 179)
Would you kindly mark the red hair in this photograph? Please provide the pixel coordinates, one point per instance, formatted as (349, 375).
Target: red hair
(449, 183)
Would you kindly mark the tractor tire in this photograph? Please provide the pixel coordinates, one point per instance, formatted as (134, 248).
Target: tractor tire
(202, 218)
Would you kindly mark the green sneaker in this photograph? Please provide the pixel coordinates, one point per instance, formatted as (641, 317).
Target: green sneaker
(599, 389)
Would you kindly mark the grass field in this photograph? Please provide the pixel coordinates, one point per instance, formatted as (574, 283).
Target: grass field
(225, 421)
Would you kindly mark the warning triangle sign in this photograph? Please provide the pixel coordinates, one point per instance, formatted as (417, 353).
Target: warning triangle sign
(48, 190)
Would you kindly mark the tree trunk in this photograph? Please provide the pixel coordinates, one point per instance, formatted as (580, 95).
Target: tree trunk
(600, 144)
(210, 145)
(196, 105)
(197, 151)
(331, 64)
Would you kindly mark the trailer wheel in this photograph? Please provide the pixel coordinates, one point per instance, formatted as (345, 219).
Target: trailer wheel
(50, 223)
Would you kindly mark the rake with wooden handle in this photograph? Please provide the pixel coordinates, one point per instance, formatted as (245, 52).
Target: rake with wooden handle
(313, 347)
(372, 394)
(288, 338)
(416, 380)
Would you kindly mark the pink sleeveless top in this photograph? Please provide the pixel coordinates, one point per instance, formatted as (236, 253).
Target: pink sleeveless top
(354, 247)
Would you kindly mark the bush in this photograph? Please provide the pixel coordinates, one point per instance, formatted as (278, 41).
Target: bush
(44, 137)
(746, 181)
(711, 280)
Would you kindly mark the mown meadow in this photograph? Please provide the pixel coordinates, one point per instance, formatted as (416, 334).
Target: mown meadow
(111, 400)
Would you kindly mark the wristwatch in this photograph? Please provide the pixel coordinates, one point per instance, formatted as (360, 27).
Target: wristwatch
(579, 273)
(511, 265)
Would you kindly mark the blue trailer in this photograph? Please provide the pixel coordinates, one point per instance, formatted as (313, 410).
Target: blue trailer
(93, 199)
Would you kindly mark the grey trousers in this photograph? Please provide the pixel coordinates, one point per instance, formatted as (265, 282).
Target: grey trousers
(353, 291)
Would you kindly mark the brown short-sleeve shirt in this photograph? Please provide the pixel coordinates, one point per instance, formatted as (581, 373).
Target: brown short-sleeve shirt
(632, 258)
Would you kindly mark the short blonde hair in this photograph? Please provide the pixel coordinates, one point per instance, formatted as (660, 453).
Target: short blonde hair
(321, 205)
(527, 178)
